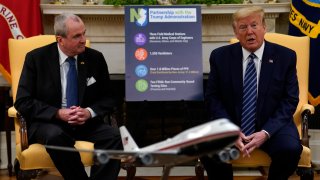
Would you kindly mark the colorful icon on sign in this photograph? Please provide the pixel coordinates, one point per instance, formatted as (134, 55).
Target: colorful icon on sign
(140, 39)
(140, 17)
(141, 85)
(141, 70)
(141, 54)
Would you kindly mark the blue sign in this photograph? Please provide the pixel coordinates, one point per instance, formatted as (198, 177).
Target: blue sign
(163, 53)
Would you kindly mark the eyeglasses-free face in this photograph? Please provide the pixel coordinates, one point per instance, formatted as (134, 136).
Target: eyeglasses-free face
(250, 32)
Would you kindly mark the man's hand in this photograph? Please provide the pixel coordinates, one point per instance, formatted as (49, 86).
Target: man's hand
(240, 143)
(64, 114)
(74, 115)
(255, 140)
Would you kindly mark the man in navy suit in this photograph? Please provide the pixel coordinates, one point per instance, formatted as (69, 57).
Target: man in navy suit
(42, 98)
(277, 96)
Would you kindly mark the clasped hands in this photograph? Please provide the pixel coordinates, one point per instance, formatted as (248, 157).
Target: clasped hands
(246, 144)
(75, 115)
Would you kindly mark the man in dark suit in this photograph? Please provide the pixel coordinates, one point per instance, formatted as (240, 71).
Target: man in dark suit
(57, 116)
(273, 100)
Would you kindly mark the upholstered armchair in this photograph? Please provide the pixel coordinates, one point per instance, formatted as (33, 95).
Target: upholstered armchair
(32, 159)
(260, 159)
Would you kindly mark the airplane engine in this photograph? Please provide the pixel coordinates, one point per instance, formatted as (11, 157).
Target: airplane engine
(228, 154)
(146, 159)
(234, 153)
(101, 157)
(224, 156)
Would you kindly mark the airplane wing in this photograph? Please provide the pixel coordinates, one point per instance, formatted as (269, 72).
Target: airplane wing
(215, 137)
(156, 158)
(141, 158)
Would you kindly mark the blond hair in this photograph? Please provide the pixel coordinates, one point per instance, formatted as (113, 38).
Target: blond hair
(247, 11)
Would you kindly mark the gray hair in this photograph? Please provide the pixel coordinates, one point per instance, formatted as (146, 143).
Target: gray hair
(60, 26)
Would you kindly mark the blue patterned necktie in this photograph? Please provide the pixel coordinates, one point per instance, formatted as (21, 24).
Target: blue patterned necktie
(72, 83)
(249, 98)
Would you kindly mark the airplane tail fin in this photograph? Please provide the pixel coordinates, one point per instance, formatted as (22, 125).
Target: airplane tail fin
(127, 141)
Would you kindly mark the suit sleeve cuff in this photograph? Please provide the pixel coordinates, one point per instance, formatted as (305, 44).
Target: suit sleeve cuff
(93, 114)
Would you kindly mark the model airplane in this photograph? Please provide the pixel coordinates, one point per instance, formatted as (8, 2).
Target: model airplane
(214, 137)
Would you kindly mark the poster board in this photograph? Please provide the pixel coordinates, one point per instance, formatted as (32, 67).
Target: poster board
(163, 53)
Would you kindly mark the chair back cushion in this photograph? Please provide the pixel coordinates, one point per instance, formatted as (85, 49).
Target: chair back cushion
(17, 52)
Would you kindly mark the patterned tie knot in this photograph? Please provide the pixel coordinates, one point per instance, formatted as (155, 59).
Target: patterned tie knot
(252, 56)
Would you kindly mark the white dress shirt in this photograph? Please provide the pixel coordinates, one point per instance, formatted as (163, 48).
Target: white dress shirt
(64, 68)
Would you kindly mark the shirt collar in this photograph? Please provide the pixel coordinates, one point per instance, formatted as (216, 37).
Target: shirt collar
(258, 52)
(63, 56)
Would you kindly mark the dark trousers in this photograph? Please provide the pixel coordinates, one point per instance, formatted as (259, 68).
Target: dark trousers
(284, 148)
(69, 163)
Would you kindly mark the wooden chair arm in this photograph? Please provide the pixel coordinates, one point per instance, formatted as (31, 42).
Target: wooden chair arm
(23, 132)
(306, 111)
(21, 126)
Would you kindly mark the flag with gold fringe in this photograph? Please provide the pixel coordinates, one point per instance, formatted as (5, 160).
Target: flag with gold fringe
(304, 20)
(19, 19)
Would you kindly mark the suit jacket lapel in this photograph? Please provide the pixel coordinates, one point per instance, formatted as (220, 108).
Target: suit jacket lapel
(266, 72)
(82, 77)
(54, 68)
(237, 78)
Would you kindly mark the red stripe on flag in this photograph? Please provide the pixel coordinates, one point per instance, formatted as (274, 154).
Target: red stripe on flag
(17, 20)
